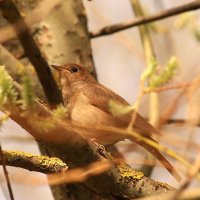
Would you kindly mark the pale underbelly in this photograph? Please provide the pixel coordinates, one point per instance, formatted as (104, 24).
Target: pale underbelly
(93, 118)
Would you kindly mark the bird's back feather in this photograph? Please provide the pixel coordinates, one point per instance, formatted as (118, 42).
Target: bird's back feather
(99, 96)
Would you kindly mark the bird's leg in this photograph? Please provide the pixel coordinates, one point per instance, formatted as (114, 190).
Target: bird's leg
(101, 149)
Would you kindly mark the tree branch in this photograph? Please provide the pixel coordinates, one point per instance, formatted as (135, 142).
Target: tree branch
(32, 51)
(176, 121)
(143, 20)
(190, 194)
(43, 164)
(17, 70)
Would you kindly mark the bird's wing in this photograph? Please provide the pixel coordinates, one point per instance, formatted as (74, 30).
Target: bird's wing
(99, 96)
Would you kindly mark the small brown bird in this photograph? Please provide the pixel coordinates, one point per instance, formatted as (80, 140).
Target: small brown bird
(87, 103)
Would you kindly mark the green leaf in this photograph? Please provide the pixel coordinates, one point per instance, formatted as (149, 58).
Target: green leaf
(150, 70)
(60, 111)
(196, 33)
(166, 75)
(3, 119)
(7, 92)
(27, 95)
(184, 20)
(118, 109)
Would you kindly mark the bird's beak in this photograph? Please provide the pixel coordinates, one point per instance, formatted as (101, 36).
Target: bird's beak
(56, 67)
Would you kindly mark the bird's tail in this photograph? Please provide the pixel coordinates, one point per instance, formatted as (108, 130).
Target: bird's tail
(156, 153)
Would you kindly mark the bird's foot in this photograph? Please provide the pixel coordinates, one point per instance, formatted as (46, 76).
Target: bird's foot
(100, 148)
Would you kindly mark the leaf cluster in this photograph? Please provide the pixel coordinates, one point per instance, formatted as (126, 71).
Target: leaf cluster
(156, 79)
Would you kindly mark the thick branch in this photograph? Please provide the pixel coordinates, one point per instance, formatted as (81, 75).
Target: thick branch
(191, 194)
(43, 164)
(32, 51)
(143, 20)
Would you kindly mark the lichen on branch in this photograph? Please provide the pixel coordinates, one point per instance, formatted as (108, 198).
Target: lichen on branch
(31, 162)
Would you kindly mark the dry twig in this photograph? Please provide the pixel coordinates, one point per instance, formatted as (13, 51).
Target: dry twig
(143, 20)
(3, 162)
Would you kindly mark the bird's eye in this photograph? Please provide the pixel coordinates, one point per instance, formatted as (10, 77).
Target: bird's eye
(74, 69)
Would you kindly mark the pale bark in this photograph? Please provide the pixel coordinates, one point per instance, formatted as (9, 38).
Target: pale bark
(66, 35)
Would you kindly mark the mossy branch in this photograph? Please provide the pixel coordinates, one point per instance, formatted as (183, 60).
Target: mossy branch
(31, 162)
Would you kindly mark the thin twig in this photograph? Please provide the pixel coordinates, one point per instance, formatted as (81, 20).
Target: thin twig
(143, 20)
(77, 174)
(136, 106)
(6, 174)
(11, 13)
(139, 137)
(170, 87)
(171, 108)
(154, 99)
(191, 174)
(177, 121)
(195, 81)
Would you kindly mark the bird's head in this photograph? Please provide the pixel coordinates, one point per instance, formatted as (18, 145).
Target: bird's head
(73, 74)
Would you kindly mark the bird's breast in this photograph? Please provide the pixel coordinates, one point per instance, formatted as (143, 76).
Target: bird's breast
(85, 113)
(82, 112)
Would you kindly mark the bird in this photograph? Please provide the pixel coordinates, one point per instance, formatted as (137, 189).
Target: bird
(87, 103)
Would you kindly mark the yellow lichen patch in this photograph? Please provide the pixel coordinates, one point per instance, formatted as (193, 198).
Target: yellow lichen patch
(164, 185)
(38, 159)
(125, 171)
(14, 154)
(51, 161)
